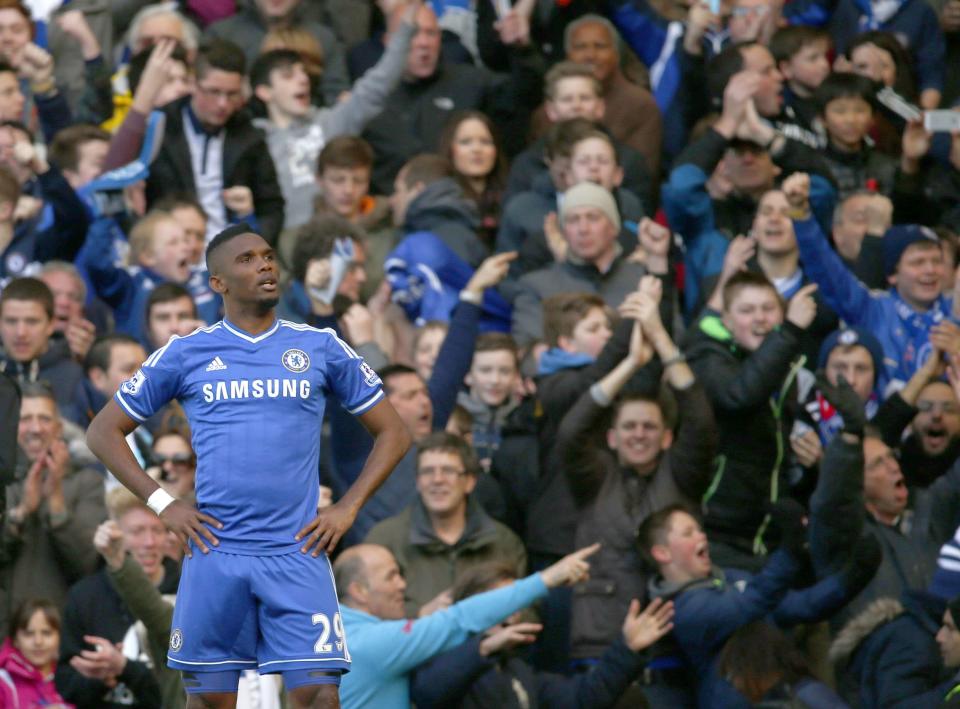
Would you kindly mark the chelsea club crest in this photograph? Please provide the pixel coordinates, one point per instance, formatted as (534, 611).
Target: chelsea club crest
(176, 639)
(295, 360)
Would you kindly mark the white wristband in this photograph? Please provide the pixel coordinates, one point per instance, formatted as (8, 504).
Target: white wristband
(159, 500)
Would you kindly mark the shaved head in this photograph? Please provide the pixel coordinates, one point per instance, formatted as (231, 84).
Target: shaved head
(214, 265)
(349, 568)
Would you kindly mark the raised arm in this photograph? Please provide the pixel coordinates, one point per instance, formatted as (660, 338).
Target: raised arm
(847, 296)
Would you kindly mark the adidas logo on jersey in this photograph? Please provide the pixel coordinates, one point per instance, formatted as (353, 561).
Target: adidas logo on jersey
(216, 365)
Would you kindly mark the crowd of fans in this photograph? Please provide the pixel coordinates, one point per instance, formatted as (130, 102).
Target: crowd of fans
(664, 292)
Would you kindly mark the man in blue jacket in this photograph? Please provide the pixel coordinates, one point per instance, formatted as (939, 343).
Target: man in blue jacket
(385, 647)
(903, 317)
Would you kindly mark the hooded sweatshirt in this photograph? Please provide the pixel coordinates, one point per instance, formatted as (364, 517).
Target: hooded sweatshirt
(442, 209)
(295, 148)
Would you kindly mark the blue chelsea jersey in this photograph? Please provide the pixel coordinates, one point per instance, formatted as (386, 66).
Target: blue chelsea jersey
(255, 406)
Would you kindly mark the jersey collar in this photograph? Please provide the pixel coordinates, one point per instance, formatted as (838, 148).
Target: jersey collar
(250, 338)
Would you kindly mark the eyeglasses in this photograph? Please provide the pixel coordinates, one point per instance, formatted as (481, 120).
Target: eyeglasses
(448, 472)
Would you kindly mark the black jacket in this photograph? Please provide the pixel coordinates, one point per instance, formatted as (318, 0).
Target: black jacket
(56, 366)
(246, 161)
(417, 111)
(754, 399)
(94, 608)
(441, 209)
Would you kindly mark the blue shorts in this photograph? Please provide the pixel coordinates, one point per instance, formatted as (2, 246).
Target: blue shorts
(268, 613)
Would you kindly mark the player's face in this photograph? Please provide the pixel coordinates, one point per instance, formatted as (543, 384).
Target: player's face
(144, 536)
(248, 271)
(39, 426)
(385, 585)
(443, 483)
(409, 396)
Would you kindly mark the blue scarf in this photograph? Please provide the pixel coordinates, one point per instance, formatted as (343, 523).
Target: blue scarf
(555, 360)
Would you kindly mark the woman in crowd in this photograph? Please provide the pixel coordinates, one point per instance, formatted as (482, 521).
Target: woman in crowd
(472, 145)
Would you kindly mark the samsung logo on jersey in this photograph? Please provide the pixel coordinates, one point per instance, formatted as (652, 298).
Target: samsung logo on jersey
(256, 389)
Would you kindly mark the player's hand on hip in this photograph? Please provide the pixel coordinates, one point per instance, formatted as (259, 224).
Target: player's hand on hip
(325, 531)
(190, 525)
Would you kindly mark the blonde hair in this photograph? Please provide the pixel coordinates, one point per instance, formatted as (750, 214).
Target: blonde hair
(141, 236)
(120, 501)
(300, 41)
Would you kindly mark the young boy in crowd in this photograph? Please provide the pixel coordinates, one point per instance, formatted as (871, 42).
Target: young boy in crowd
(51, 221)
(79, 151)
(845, 105)
(711, 603)
(190, 215)
(572, 91)
(577, 151)
(801, 55)
(576, 328)
(297, 131)
(492, 395)
(343, 178)
(159, 253)
(902, 318)
(748, 359)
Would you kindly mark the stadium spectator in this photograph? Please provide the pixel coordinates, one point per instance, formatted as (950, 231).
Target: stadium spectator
(51, 509)
(444, 532)
(211, 148)
(170, 310)
(30, 354)
(29, 656)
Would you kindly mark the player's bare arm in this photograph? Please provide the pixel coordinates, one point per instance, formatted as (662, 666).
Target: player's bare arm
(106, 437)
(390, 442)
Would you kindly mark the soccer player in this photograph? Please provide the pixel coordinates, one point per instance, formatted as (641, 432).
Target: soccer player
(253, 388)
